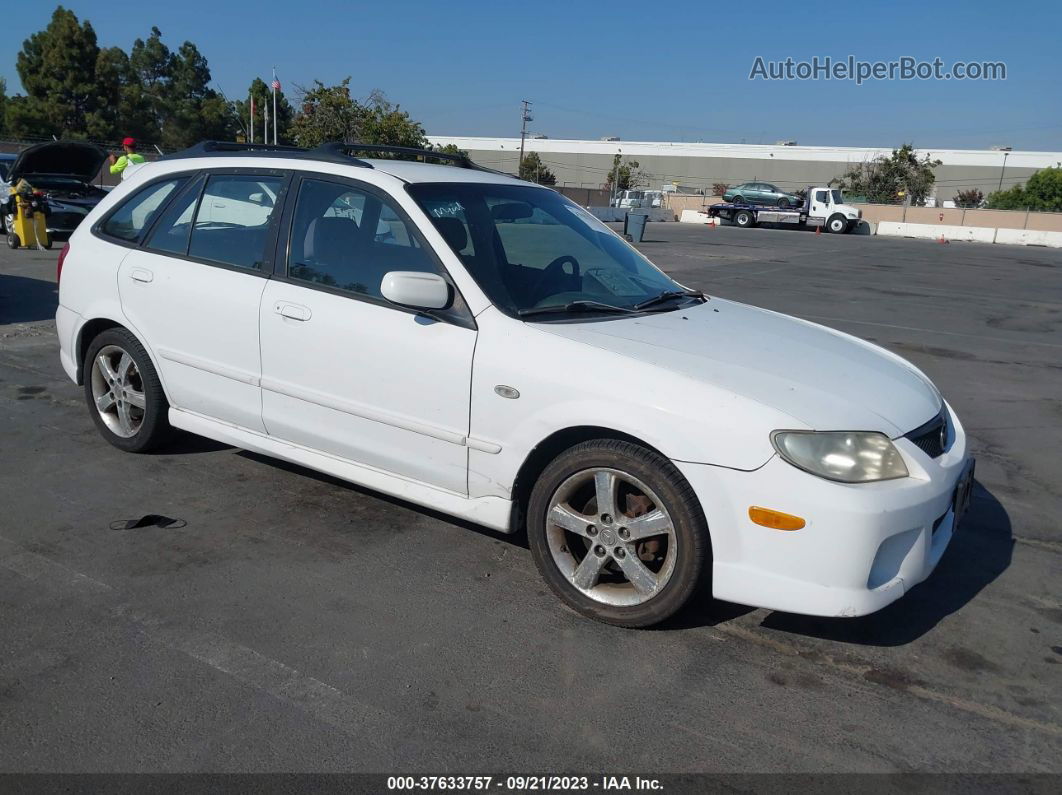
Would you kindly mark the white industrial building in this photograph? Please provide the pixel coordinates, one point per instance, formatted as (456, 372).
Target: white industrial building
(699, 165)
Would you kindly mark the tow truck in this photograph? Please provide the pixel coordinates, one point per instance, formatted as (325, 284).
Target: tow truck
(823, 206)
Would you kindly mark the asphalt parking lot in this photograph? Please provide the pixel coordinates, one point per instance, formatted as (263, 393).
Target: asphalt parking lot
(298, 623)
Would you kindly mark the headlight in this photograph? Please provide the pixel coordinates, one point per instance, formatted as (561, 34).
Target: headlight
(846, 456)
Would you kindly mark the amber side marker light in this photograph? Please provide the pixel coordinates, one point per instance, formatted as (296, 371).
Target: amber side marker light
(776, 520)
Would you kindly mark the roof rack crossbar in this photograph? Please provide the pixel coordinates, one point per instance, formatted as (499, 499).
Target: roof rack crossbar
(338, 148)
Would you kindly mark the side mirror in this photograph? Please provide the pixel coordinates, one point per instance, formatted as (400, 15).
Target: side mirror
(416, 289)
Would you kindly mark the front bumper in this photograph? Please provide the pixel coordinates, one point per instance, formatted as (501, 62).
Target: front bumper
(863, 547)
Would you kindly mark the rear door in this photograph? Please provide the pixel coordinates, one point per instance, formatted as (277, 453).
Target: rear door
(344, 371)
(192, 290)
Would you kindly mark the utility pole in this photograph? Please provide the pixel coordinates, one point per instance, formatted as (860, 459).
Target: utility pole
(1003, 170)
(525, 115)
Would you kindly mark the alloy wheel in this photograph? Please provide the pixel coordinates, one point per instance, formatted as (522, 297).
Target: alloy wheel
(118, 391)
(611, 537)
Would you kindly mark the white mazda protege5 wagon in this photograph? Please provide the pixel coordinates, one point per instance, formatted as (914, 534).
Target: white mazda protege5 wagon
(485, 347)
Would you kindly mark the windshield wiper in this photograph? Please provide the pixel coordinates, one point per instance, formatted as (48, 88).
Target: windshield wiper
(575, 306)
(667, 295)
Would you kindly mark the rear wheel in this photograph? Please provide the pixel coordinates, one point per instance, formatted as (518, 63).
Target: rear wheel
(617, 533)
(744, 218)
(124, 394)
(739, 200)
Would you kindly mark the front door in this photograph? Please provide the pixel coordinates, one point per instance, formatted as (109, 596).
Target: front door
(193, 291)
(820, 203)
(345, 372)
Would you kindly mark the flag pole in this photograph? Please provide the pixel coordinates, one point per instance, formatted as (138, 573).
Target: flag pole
(275, 85)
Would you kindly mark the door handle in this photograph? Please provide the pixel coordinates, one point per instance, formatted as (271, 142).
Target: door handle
(293, 311)
(141, 275)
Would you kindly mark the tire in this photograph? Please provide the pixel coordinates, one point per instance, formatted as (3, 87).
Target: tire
(12, 240)
(744, 219)
(837, 224)
(783, 203)
(738, 200)
(124, 422)
(663, 550)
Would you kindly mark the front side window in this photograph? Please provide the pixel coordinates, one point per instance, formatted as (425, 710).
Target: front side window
(135, 215)
(232, 221)
(530, 248)
(348, 239)
(822, 196)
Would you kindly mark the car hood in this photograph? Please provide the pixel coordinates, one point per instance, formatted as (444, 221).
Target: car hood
(66, 158)
(822, 378)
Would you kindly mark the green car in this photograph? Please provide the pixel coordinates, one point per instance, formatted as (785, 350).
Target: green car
(761, 193)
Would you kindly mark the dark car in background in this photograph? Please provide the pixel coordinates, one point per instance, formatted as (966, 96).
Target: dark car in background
(63, 171)
(761, 193)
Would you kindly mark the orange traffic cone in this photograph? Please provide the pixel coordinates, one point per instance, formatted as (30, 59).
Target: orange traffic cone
(818, 230)
(942, 240)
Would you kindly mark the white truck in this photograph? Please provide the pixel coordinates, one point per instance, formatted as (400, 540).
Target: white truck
(824, 206)
(639, 198)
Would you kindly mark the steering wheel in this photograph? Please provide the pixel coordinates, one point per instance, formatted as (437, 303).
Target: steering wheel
(553, 271)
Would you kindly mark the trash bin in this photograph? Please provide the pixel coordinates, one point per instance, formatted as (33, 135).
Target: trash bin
(634, 226)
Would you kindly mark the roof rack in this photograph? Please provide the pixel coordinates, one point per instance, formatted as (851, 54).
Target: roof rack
(243, 149)
(333, 151)
(335, 148)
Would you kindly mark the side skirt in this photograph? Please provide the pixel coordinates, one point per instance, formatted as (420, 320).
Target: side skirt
(492, 512)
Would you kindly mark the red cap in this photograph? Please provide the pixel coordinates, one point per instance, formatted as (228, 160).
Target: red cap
(129, 142)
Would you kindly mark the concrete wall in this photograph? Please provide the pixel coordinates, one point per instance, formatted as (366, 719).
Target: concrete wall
(995, 219)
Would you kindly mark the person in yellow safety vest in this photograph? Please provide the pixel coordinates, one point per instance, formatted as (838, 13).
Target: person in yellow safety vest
(121, 165)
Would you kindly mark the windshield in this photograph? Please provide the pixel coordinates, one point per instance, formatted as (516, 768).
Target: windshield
(530, 248)
(837, 197)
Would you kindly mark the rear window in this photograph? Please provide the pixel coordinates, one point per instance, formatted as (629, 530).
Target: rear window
(232, 221)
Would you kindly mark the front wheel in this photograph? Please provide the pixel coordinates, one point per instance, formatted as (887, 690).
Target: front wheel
(617, 533)
(837, 224)
(124, 394)
(783, 203)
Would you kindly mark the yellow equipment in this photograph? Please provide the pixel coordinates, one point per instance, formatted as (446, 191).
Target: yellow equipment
(30, 226)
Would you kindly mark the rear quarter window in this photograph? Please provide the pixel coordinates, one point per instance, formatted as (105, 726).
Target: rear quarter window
(135, 215)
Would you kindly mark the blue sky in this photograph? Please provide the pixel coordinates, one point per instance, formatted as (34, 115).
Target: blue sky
(640, 70)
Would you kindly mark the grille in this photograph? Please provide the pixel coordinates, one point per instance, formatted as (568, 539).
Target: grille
(932, 437)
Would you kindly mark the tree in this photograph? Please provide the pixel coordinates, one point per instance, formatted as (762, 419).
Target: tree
(152, 63)
(57, 67)
(3, 103)
(330, 113)
(534, 170)
(888, 179)
(969, 198)
(121, 107)
(627, 173)
(1043, 192)
(719, 188)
